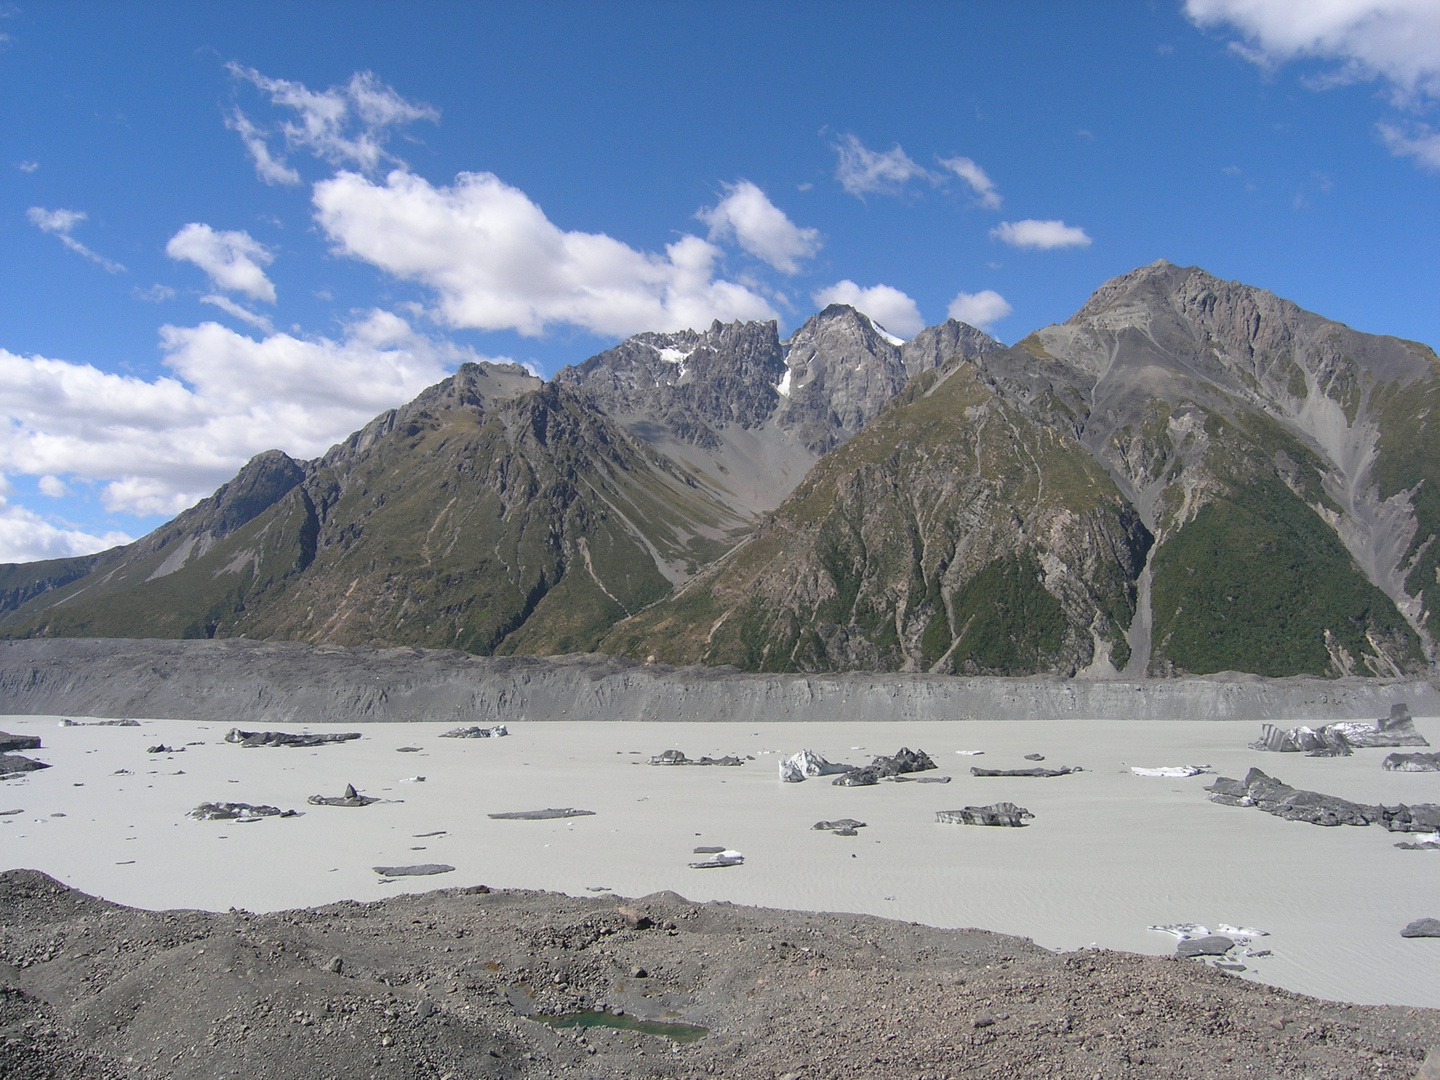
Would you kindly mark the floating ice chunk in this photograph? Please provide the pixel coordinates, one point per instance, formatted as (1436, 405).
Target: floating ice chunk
(969, 753)
(413, 780)
(1182, 930)
(808, 763)
(1171, 770)
(719, 859)
(1240, 931)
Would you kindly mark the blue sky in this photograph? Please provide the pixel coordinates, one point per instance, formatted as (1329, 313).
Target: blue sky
(231, 227)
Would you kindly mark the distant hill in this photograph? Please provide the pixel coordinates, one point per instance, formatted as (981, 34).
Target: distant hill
(1188, 476)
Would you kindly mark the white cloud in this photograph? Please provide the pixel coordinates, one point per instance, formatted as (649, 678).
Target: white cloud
(27, 166)
(1394, 40)
(864, 172)
(156, 446)
(60, 223)
(980, 183)
(889, 307)
(1044, 235)
(344, 125)
(244, 314)
(497, 262)
(25, 536)
(155, 294)
(760, 227)
(52, 486)
(1420, 142)
(979, 309)
(233, 260)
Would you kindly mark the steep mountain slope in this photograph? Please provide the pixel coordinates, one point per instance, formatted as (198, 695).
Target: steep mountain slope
(1281, 465)
(954, 534)
(494, 513)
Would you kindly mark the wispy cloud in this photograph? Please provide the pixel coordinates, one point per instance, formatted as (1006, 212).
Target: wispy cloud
(1040, 235)
(862, 171)
(979, 181)
(747, 216)
(27, 166)
(232, 259)
(155, 294)
(60, 223)
(1419, 141)
(346, 125)
(244, 314)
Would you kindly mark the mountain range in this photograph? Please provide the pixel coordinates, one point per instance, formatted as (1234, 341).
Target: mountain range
(1188, 476)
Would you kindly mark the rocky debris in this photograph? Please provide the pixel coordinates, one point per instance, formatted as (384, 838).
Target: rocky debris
(1171, 770)
(127, 722)
(1005, 814)
(237, 811)
(842, 827)
(726, 857)
(1422, 928)
(808, 763)
(282, 738)
(1210, 945)
(10, 742)
(163, 749)
(475, 731)
(1278, 798)
(1342, 738)
(677, 757)
(286, 1010)
(1064, 770)
(635, 919)
(407, 749)
(1412, 763)
(1034, 757)
(418, 870)
(350, 798)
(14, 764)
(548, 814)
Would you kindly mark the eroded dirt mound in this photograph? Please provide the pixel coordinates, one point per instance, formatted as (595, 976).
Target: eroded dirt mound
(434, 986)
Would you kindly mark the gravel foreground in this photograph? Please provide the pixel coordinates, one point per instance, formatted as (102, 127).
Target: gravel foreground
(432, 986)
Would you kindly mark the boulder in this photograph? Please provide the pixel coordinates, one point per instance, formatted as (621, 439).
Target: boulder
(1422, 928)
(284, 738)
(808, 763)
(548, 814)
(1211, 945)
(350, 798)
(1341, 738)
(1278, 798)
(476, 732)
(1412, 763)
(1002, 813)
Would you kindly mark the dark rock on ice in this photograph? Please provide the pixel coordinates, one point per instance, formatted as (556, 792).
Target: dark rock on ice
(1422, 928)
(885, 767)
(10, 742)
(163, 749)
(677, 757)
(282, 738)
(1339, 739)
(1213, 945)
(1001, 813)
(237, 811)
(709, 849)
(14, 764)
(1412, 763)
(1034, 757)
(1278, 798)
(67, 722)
(476, 732)
(350, 798)
(419, 870)
(858, 777)
(548, 814)
(844, 824)
(407, 749)
(1064, 770)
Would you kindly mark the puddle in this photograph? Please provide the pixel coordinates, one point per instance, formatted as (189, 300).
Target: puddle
(681, 1033)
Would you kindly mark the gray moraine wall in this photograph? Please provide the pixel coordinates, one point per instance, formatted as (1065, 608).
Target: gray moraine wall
(256, 683)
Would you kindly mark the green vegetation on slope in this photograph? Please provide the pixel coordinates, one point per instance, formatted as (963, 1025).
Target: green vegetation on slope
(1254, 582)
